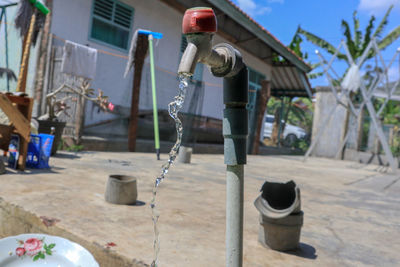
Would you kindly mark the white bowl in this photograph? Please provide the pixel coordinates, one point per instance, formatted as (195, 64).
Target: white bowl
(43, 250)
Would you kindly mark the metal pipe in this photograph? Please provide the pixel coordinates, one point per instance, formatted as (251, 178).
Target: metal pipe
(224, 61)
(235, 130)
(234, 215)
(153, 87)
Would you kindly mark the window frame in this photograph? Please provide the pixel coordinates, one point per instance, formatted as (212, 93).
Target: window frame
(92, 16)
(255, 85)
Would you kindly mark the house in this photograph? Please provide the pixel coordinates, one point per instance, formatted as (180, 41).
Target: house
(108, 25)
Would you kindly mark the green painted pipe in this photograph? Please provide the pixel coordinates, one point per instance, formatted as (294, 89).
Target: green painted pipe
(153, 86)
(39, 5)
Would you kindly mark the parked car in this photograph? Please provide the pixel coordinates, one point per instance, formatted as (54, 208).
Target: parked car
(291, 133)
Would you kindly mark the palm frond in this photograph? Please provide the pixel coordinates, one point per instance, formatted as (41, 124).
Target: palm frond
(390, 38)
(357, 32)
(315, 75)
(298, 112)
(320, 42)
(383, 23)
(295, 44)
(316, 65)
(350, 44)
(367, 36)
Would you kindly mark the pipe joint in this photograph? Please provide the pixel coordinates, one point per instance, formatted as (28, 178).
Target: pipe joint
(232, 64)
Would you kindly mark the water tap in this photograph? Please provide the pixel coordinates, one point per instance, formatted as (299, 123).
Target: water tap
(199, 25)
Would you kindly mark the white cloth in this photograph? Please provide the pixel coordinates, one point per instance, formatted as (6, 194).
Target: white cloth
(79, 60)
(352, 80)
(132, 50)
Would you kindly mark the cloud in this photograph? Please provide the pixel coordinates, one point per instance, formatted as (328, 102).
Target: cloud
(377, 6)
(254, 9)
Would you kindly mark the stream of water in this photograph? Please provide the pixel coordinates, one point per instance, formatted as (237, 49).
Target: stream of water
(173, 108)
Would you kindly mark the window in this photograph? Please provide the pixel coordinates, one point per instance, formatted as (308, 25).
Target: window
(255, 79)
(111, 23)
(198, 72)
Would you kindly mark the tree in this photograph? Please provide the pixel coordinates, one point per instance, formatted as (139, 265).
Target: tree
(357, 41)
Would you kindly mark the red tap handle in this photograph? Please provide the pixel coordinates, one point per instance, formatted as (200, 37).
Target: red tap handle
(199, 19)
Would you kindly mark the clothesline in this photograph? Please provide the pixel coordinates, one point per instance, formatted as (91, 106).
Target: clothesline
(126, 57)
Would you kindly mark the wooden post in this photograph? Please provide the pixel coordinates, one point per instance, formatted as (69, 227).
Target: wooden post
(23, 71)
(79, 118)
(286, 116)
(275, 127)
(262, 101)
(42, 60)
(140, 55)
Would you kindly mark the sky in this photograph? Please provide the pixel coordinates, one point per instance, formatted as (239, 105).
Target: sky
(323, 18)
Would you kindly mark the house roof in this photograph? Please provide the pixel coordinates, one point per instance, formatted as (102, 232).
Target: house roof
(250, 24)
(289, 81)
(242, 31)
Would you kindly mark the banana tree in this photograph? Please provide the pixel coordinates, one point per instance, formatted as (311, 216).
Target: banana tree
(357, 41)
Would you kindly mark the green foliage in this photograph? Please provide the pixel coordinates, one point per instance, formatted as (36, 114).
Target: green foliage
(357, 32)
(297, 116)
(395, 147)
(383, 23)
(71, 148)
(391, 112)
(318, 41)
(75, 148)
(357, 43)
(295, 45)
(302, 144)
(390, 38)
(300, 117)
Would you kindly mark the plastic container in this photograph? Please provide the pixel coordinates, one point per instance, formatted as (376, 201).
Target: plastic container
(39, 150)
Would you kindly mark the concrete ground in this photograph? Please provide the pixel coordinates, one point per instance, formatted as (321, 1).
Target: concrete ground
(352, 214)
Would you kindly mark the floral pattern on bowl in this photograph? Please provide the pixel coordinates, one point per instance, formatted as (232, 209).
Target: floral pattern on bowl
(38, 250)
(34, 248)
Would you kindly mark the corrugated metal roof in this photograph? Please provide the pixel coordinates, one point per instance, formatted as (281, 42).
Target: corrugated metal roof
(289, 81)
(289, 78)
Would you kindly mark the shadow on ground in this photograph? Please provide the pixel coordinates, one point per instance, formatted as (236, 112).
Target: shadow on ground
(66, 156)
(304, 251)
(33, 171)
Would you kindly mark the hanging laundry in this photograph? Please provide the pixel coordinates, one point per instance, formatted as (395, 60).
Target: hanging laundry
(79, 60)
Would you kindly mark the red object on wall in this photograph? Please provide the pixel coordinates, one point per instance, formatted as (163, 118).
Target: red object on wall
(199, 19)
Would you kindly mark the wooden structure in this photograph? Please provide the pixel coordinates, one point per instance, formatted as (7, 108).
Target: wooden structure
(19, 111)
(353, 83)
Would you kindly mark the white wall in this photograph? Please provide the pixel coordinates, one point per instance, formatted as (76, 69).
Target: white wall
(71, 20)
(15, 53)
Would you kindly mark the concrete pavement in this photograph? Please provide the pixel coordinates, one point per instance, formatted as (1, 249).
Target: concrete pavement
(352, 214)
